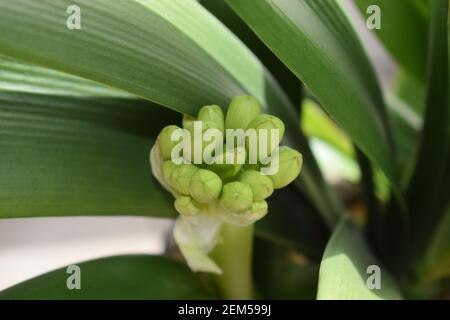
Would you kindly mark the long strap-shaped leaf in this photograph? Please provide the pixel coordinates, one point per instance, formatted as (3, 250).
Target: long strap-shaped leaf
(434, 144)
(314, 39)
(120, 277)
(347, 265)
(171, 52)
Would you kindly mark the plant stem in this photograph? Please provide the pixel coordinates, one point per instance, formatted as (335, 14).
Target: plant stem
(234, 256)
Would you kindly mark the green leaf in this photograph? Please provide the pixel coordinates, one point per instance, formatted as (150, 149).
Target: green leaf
(66, 154)
(283, 273)
(171, 52)
(434, 142)
(404, 27)
(287, 80)
(437, 262)
(324, 52)
(317, 124)
(121, 277)
(343, 271)
(293, 222)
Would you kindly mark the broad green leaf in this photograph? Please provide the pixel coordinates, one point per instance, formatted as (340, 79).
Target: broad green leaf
(17, 76)
(283, 273)
(316, 41)
(435, 138)
(404, 27)
(121, 277)
(78, 156)
(343, 272)
(173, 53)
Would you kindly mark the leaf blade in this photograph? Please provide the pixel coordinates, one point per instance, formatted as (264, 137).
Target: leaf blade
(342, 272)
(315, 46)
(120, 277)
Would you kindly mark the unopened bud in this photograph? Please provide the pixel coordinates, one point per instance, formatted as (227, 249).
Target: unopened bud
(264, 124)
(259, 209)
(205, 186)
(289, 166)
(261, 185)
(236, 159)
(181, 177)
(214, 115)
(236, 197)
(165, 143)
(241, 111)
(187, 206)
(168, 168)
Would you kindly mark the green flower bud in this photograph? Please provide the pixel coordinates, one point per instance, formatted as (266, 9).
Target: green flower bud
(289, 165)
(168, 168)
(187, 206)
(187, 120)
(212, 114)
(262, 186)
(241, 111)
(181, 177)
(236, 197)
(259, 208)
(268, 123)
(205, 186)
(228, 170)
(165, 143)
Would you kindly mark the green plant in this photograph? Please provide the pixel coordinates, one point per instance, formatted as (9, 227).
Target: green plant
(80, 110)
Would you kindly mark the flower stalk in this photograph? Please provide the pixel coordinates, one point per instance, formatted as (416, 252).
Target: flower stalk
(233, 254)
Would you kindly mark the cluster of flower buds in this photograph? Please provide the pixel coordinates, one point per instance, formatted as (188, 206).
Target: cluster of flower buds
(235, 190)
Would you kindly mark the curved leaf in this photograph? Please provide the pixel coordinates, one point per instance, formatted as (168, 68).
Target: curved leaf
(343, 272)
(121, 277)
(66, 154)
(324, 52)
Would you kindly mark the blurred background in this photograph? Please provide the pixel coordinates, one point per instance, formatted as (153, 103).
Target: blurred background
(32, 246)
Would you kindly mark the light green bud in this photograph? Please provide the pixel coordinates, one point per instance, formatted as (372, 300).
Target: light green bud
(241, 111)
(165, 143)
(262, 186)
(205, 186)
(228, 170)
(236, 197)
(268, 123)
(214, 115)
(168, 168)
(187, 120)
(259, 208)
(181, 177)
(187, 206)
(289, 165)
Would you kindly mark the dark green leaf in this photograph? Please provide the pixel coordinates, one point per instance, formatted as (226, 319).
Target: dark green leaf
(324, 52)
(283, 273)
(121, 277)
(435, 138)
(65, 155)
(292, 221)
